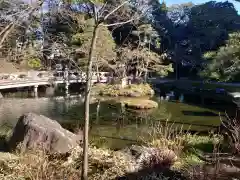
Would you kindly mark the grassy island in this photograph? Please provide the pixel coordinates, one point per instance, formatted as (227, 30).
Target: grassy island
(132, 90)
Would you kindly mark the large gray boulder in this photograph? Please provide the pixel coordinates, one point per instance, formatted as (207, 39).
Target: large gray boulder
(37, 131)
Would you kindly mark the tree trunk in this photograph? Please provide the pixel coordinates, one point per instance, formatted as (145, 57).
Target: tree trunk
(124, 82)
(136, 73)
(98, 76)
(145, 76)
(98, 112)
(86, 105)
(5, 33)
(146, 68)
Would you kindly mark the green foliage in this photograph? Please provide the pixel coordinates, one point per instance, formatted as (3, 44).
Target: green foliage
(163, 6)
(133, 90)
(105, 46)
(198, 29)
(146, 59)
(87, 31)
(224, 64)
(158, 42)
(209, 55)
(34, 63)
(165, 71)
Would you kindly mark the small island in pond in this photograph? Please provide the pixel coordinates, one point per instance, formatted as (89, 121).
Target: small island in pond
(131, 90)
(140, 104)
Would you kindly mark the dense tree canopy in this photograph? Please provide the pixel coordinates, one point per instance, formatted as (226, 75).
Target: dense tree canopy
(224, 64)
(199, 29)
(184, 33)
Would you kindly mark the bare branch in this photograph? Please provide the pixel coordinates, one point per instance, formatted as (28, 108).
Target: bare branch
(118, 23)
(8, 29)
(102, 10)
(114, 10)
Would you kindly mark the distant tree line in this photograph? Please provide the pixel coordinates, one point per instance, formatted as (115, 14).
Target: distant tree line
(195, 41)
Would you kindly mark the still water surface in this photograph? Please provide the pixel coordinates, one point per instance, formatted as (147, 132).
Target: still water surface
(111, 123)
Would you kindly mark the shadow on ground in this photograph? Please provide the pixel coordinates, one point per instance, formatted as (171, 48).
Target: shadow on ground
(5, 132)
(205, 172)
(196, 113)
(152, 174)
(3, 144)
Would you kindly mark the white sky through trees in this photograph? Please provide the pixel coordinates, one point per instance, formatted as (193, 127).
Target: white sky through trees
(168, 2)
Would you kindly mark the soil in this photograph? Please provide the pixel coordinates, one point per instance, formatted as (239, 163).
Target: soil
(7, 67)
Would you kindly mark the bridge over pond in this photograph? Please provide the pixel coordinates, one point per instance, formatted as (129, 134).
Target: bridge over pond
(44, 78)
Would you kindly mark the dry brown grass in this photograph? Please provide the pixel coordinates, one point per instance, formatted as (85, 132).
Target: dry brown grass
(167, 136)
(37, 165)
(104, 164)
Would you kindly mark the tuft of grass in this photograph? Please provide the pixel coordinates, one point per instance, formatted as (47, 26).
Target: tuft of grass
(185, 145)
(36, 165)
(167, 136)
(187, 160)
(203, 143)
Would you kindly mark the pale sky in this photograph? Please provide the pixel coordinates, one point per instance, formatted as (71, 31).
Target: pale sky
(171, 2)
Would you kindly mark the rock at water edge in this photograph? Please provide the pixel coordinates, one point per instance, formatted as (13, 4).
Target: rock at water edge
(37, 131)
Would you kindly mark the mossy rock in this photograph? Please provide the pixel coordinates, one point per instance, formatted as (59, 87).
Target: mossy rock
(140, 104)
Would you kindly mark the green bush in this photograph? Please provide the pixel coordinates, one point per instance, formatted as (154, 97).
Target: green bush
(133, 90)
(34, 63)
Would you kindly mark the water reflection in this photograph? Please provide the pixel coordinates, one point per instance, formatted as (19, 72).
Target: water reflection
(196, 113)
(109, 118)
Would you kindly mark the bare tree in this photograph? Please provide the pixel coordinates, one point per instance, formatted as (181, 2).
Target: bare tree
(100, 13)
(16, 17)
(138, 61)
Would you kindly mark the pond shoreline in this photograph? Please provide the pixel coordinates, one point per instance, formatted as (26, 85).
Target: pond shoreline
(158, 147)
(114, 127)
